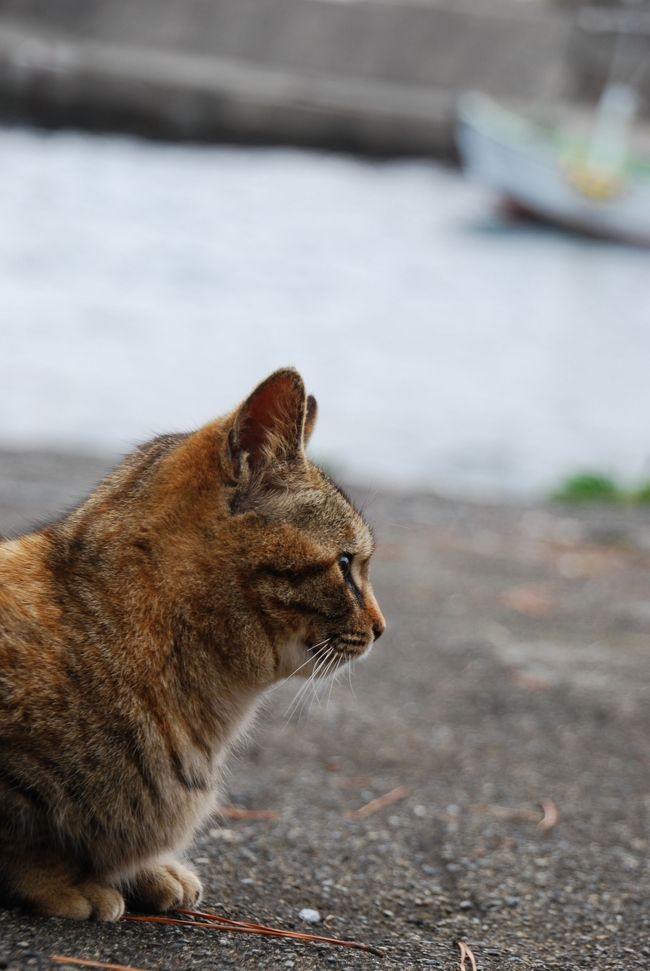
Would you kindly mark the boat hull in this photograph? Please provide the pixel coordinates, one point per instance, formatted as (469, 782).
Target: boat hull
(504, 152)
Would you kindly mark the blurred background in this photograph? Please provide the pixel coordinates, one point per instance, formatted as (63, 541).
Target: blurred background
(439, 211)
(196, 193)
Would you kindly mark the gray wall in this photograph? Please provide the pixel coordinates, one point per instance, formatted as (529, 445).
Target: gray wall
(369, 76)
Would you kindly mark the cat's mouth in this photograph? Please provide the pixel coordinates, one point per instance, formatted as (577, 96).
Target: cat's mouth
(346, 647)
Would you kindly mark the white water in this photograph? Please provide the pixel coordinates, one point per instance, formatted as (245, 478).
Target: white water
(147, 288)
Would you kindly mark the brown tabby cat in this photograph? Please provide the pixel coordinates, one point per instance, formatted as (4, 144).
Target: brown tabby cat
(136, 635)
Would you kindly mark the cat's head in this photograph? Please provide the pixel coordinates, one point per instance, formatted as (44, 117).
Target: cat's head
(230, 537)
(306, 548)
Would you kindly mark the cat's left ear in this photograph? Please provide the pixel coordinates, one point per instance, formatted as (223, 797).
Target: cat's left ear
(311, 413)
(269, 428)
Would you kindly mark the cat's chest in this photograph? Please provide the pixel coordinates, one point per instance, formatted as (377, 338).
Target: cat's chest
(169, 778)
(187, 809)
(187, 783)
(187, 795)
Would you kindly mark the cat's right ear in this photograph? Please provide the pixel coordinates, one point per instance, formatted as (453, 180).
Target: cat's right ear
(268, 430)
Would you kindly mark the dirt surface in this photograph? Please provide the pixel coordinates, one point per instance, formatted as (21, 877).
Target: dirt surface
(516, 671)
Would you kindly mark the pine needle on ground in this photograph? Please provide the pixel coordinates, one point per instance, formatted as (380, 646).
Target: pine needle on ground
(208, 921)
(395, 795)
(551, 815)
(466, 954)
(236, 812)
(87, 963)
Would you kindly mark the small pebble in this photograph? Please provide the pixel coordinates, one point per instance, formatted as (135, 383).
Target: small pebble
(309, 916)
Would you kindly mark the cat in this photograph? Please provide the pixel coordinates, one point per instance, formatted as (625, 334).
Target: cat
(138, 633)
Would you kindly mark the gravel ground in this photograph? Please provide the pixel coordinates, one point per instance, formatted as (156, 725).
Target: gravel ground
(515, 671)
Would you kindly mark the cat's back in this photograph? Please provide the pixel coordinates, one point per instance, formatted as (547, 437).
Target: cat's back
(26, 579)
(29, 623)
(26, 595)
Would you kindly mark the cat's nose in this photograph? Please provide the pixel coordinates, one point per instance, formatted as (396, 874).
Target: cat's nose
(378, 629)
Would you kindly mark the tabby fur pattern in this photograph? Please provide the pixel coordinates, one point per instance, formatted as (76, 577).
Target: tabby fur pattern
(137, 635)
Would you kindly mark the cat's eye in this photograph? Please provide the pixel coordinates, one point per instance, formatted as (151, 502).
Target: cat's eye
(345, 563)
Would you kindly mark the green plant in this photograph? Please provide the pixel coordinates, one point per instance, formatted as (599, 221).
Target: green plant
(591, 487)
(642, 494)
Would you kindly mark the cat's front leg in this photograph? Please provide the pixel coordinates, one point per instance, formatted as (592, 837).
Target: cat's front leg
(162, 886)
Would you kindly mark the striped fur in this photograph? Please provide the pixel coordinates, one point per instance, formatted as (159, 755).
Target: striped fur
(137, 634)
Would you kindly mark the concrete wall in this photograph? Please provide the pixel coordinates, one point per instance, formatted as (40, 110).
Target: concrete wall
(375, 77)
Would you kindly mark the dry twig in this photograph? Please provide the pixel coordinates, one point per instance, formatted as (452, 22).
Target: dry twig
(236, 812)
(465, 952)
(401, 792)
(215, 922)
(551, 815)
(86, 963)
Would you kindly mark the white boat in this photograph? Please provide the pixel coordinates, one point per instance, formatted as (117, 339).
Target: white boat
(593, 186)
(583, 176)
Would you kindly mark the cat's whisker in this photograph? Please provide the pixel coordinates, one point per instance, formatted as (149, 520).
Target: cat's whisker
(310, 698)
(335, 673)
(297, 701)
(329, 693)
(307, 698)
(315, 652)
(318, 652)
(316, 694)
(320, 644)
(328, 670)
(320, 674)
(301, 689)
(350, 666)
(310, 689)
(321, 657)
(323, 675)
(292, 708)
(316, 683)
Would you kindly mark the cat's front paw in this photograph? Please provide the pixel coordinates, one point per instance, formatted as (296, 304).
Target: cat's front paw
(165, 886)
(85, 901)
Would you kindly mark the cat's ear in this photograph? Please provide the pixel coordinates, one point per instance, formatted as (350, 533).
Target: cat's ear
(269, 427)
(311, 413)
